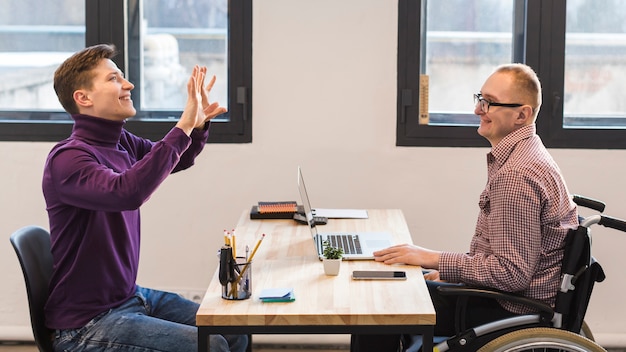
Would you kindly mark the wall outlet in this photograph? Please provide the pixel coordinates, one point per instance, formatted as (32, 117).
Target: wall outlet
(196, 295)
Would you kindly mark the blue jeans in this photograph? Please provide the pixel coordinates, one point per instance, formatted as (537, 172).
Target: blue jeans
(150, 321)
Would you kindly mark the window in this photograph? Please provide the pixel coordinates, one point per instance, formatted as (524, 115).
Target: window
(177, 38)
(595, 65)
(159, 42)
(447, 48)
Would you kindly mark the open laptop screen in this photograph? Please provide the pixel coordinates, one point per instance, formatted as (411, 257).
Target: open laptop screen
(306, 204)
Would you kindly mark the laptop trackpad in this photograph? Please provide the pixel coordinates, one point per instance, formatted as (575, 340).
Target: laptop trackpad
(376, 245)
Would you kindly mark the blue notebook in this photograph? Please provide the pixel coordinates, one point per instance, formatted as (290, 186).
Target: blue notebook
(284, 294)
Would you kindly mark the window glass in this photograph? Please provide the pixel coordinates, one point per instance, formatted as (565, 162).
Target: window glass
(177, 37)
(595, 65)
(464, 41)
(36, 37)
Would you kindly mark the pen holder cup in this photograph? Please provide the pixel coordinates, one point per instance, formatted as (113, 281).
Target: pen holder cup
(240, 286)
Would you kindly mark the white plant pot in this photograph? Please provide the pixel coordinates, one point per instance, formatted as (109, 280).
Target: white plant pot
(331, 266)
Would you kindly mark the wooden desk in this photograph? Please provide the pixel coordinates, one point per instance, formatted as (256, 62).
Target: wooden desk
(324, 304)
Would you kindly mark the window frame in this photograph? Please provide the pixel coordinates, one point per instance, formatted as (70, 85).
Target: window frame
(118, 22)
(538, 40)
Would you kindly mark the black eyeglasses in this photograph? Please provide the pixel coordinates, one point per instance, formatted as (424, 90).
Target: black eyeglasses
(485, 104)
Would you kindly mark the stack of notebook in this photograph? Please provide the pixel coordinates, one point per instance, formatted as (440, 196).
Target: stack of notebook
(275, 210)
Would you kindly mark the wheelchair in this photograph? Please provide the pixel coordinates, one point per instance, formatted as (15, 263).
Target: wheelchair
(561, 328)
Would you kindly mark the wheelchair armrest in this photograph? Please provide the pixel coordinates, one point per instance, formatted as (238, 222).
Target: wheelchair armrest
(495, 294)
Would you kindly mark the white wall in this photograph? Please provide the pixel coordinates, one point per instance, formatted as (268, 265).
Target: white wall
(324, 90)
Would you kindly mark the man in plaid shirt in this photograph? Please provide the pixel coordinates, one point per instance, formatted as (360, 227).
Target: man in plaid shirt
(525, 214)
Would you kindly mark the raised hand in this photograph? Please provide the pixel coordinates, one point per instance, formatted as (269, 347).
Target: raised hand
(210, 110)
(198, 110)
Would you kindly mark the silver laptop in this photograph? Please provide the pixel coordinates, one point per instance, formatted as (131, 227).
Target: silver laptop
(356, 245)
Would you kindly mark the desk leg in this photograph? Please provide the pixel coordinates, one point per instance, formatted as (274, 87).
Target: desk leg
(427, 339)
(203, 340)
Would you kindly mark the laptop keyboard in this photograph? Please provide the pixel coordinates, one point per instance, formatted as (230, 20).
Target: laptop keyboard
(349, 243)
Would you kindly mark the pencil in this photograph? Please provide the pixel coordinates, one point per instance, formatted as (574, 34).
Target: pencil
(233, 289)
(226, 239)
(256, 247)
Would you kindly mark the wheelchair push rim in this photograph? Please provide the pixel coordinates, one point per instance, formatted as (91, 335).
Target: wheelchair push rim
(541, 339)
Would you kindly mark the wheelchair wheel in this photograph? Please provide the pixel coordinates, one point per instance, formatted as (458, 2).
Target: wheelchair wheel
(541, 339)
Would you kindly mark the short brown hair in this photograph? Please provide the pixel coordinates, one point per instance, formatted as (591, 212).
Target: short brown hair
(75, 73)
(527, 83)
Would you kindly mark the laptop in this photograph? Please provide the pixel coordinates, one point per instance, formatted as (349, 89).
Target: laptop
(356, 245)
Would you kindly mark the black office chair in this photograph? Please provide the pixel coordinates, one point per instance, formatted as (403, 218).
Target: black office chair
(32, 246)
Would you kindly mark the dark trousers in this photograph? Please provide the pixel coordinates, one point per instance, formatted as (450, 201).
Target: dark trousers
(479, 311)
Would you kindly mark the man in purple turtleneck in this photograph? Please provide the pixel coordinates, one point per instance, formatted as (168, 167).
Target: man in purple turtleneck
(94, 183)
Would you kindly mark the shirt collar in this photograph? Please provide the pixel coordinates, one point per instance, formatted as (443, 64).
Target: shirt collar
(501, 151)
(97, 130)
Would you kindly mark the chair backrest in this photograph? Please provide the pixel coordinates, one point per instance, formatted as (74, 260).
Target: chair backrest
(580, 272)
(32, 246)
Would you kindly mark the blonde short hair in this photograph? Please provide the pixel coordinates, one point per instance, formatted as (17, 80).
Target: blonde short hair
(527, 83)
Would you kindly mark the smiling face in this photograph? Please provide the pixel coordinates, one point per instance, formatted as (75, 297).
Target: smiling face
(109, 96)
(499, 121)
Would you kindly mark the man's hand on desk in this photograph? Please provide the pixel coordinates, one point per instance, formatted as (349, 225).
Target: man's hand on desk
(409, 254)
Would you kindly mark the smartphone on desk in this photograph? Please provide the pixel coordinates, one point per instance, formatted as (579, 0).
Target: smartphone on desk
(378, 275)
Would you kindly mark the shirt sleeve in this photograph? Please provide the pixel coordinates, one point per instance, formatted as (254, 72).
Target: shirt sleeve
(114, 181)
(198, 141)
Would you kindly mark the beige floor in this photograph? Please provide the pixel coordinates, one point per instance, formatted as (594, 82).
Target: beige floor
(261, 343)
(5, 347)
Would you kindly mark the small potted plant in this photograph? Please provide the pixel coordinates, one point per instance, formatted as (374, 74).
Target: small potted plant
(332, 258)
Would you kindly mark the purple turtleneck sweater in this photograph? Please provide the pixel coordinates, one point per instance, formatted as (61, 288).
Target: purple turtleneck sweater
(94, 183)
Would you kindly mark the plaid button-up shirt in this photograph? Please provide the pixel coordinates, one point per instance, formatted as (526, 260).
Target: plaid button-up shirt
(525, 214)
